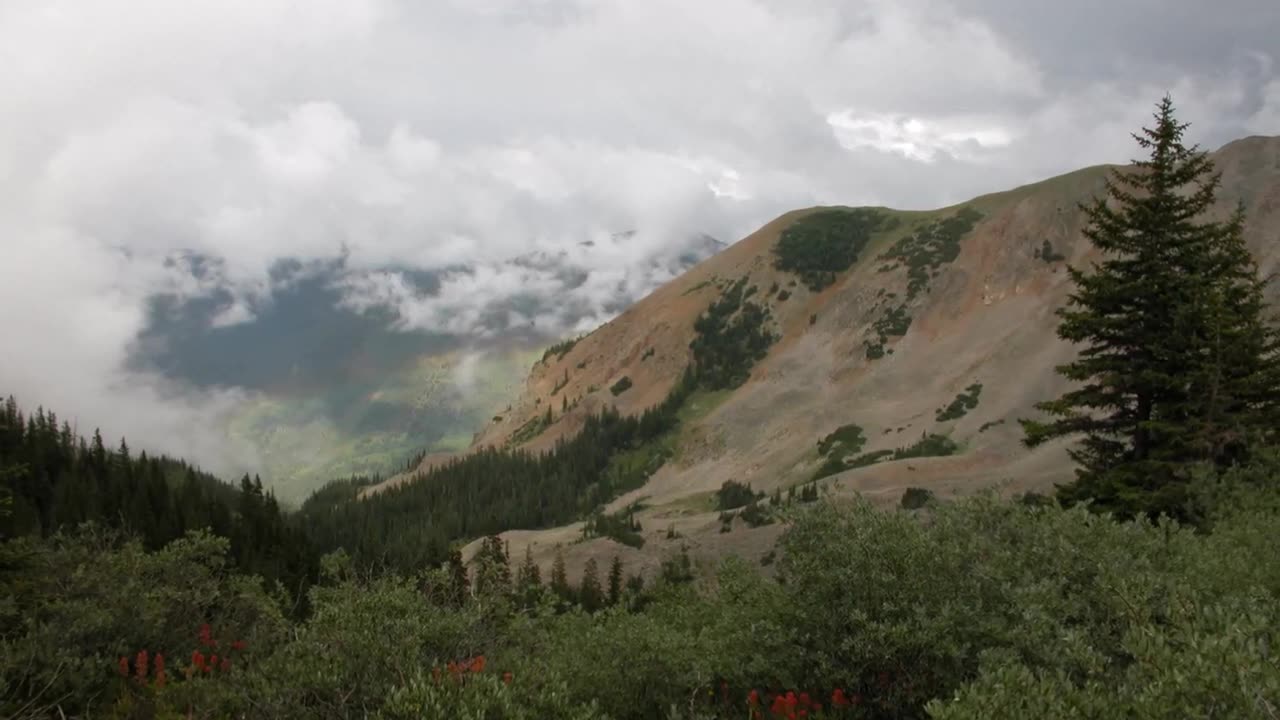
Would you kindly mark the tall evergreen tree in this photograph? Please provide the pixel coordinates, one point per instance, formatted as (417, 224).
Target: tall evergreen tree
(459, 585)
(615, 580)
(1178, 365)
(492, 570)
(589, 592)
(560, 577)
(528, 580)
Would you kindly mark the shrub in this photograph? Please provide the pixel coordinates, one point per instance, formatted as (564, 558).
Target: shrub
(621, 386)
(915, 498)
(961, 405)
(735, 495)
(847, 439)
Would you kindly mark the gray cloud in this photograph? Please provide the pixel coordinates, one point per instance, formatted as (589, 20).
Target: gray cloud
(431, 137)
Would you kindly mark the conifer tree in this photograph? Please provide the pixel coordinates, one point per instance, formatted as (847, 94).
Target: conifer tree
(528, 579)
(615, 580)
(589, 592)
(560, 577)
(1178, 365)
(459, 586)
(492, 572)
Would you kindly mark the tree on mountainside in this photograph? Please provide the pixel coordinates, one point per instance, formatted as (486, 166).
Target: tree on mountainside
(589, 592)
(1178, 365)
(560, 578)
(615, 580)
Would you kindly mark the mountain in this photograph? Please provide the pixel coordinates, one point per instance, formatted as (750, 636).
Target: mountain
(931, 344)
(336, 388)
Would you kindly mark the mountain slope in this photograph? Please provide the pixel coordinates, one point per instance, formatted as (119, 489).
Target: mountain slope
(974, 306)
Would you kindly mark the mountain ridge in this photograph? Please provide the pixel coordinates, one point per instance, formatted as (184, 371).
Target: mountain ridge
(981, 315)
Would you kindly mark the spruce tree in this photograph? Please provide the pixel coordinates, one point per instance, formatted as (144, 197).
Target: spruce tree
(615, 580)
(560, 577)
(1177, 365)
(589, 592)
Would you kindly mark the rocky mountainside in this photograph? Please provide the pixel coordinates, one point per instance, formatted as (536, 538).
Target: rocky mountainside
(905, 366)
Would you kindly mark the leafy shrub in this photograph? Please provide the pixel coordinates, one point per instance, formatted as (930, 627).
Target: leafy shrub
(821, 245)
(915, 498)
(621, 386)
(647, 354)
(784, 295)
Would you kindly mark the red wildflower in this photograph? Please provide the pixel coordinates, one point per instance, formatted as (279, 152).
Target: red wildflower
(238, 645)
(206, 635)
(507, 677)
(753, 698)
(791, 698)
(838, 698)
(804, 699)
(141, 668)
(477, 664)
(779, 706)
(124, 666)
(161, 677)
(213, 661)
(197, 660)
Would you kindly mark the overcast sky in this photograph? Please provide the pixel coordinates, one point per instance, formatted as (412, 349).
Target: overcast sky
(136, 135)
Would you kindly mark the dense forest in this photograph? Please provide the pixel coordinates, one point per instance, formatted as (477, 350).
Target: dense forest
(1149, 588)
(53, 480)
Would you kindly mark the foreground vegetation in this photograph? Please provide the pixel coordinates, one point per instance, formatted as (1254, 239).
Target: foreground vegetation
(990, 609)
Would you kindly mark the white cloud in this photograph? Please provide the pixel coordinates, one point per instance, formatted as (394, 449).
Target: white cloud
(436, 135)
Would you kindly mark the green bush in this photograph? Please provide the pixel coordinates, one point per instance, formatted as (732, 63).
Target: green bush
(733, 495)
(961, 405)
(621, 386)
(915, 498)
(847, 439)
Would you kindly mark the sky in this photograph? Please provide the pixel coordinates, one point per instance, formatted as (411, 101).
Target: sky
(541, 162)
